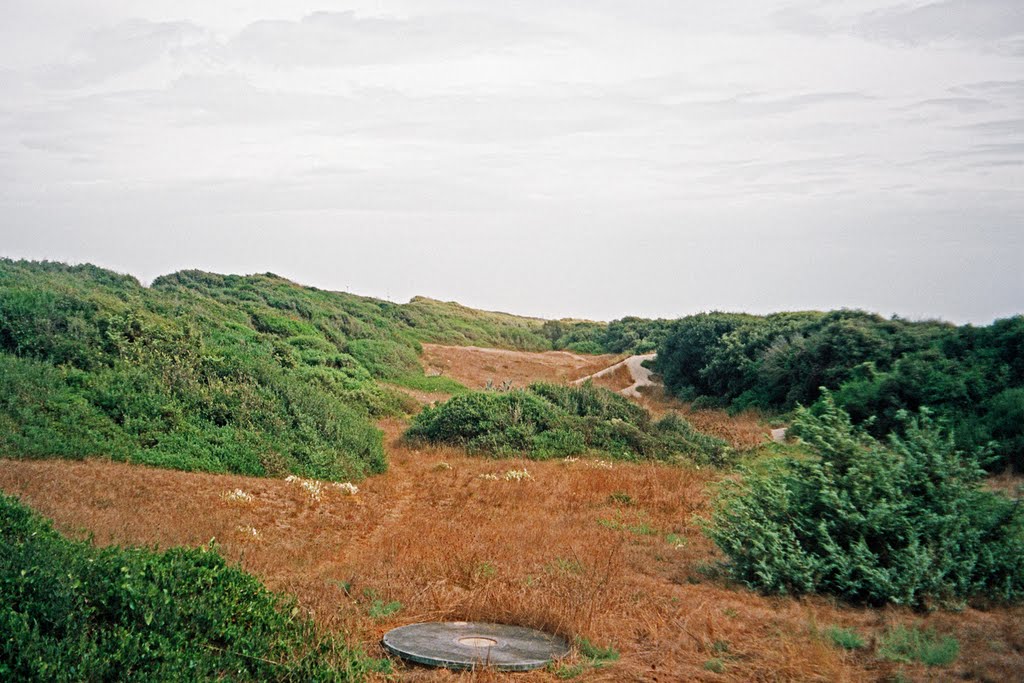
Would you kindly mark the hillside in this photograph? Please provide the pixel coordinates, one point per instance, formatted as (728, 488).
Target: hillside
(220, 373)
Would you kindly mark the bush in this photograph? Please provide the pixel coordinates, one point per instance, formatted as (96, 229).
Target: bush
(485, 421)
(876, 367)
(71, 612)
(549, 420)
(905, 522)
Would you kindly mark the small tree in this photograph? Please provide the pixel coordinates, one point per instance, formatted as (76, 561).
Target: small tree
(905, 522)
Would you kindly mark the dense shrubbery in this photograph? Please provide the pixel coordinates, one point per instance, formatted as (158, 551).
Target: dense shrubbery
(971, 377)
(628, 335)
(71, 612)
(549, 420)
(902, 522)
(201, 372)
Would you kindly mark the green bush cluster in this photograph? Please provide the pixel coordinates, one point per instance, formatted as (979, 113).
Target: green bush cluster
(626, 335)
(201, 372)
(550, 420)
(72, 612)
(971, 377)
(903, 522)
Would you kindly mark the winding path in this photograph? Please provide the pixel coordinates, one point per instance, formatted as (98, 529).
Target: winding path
(641, 375)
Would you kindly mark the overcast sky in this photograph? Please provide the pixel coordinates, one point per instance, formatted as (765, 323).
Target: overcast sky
(582, 158)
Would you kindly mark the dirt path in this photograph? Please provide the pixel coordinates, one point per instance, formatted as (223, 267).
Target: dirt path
(641, 375)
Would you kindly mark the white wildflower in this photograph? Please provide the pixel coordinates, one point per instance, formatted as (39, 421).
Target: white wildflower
(570, 459)
(251, 532)
(347, 488)
(313, 487)
(490, 477)
(518, 475)
(237, 496)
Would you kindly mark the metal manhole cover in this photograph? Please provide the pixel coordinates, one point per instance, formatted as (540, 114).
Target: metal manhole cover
(466, 644)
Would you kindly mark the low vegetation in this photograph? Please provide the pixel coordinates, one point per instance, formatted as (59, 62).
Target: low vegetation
(912, 645)
(627, 335)
(903, 522)
(970, 377)
(72, 612)
(556, 421)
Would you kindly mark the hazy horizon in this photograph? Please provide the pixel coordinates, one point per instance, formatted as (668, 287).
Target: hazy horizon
(554, 159)
(147, 282)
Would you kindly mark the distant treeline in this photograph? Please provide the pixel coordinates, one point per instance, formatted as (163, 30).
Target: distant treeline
(627, 335)
(971, 378)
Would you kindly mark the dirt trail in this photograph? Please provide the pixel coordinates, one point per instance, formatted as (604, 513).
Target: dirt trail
(641, 375)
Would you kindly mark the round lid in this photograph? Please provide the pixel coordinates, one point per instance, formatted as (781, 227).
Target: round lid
(466, 644)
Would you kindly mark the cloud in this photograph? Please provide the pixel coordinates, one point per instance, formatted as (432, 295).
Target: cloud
(125, 47)
(986, 24)
(965, 105)
(975, 21)
(342, 38)
(1000, 128)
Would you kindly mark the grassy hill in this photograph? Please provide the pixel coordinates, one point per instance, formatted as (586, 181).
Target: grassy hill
(249, 374)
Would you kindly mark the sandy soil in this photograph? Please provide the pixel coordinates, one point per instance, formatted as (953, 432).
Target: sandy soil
(474, 366)
(641, 377)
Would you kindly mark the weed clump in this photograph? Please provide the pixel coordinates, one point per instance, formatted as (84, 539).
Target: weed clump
(846, 638)
(913, 645)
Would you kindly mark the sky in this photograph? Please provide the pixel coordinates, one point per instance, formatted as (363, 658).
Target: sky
(560, 158)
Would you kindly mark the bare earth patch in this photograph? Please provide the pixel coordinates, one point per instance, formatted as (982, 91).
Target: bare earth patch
(474, 366)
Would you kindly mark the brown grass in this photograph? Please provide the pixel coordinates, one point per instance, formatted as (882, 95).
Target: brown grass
(617, 380)
(556, 552)
(475, 366)
(744, 431)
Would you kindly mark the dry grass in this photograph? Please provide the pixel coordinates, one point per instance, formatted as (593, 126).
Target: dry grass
(742, 431)
(617, 380)
(1008, 483)
(558, 552)
(475, 366)
(607, 554)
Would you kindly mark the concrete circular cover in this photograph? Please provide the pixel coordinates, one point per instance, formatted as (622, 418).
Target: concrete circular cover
(465, 645)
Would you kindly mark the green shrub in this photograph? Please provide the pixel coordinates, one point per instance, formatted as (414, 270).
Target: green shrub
(384, 359)
(905, 522)
(548, 421)
(72, 612)
(597, 654)
(846, 638)
(716, 665)
(912, 645)
(875, 366)
(421, 382)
